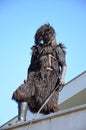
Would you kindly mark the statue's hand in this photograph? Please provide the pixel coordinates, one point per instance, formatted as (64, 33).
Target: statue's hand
(62, 81)
(61, 84)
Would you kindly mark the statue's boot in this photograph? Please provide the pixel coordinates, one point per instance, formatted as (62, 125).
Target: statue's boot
(22, 111)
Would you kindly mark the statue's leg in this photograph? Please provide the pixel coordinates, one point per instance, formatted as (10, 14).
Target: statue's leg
(22, 111)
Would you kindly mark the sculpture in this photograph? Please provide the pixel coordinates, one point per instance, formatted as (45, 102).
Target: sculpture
(47, 67)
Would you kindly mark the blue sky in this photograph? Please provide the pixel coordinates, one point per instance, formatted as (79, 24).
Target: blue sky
(19, 20)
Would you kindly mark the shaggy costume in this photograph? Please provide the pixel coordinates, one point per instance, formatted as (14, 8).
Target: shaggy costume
(43, 72)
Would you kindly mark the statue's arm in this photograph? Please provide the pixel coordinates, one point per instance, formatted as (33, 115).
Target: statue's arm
(32, 61)
(62, 64)
(62, 78)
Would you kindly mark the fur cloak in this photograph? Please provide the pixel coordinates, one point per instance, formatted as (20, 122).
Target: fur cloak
(43, 74)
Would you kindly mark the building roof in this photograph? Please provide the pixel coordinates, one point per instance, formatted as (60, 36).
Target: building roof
(69, 119)
(76, 100)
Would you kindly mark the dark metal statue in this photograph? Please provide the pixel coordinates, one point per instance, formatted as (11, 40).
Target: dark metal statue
(48, 67)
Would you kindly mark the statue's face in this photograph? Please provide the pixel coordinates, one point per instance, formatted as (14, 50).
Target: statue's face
(44, 34)
(48, 36)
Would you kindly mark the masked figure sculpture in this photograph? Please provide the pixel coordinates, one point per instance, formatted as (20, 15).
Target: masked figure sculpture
(47, 64)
